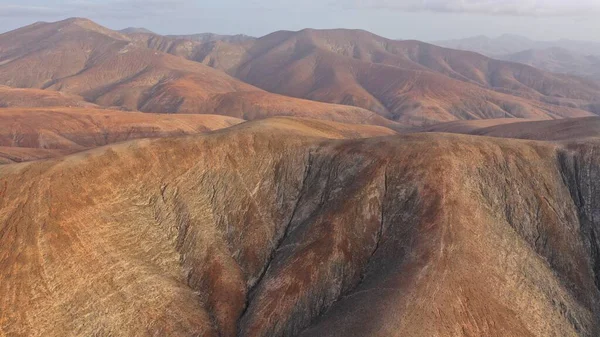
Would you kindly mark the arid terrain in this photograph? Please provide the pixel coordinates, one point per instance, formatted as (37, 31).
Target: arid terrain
(311, 183)
(406, 81)
(47, 132)
(551, 130)
(367, 76)
(104, 67)
(273, 229)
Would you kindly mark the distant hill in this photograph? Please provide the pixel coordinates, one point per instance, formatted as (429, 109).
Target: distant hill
(558, 60)
(135, 30)
(210, 37)
(38, 133)
(510, 44)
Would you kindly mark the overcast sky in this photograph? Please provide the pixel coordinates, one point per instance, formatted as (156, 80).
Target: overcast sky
(409, 19)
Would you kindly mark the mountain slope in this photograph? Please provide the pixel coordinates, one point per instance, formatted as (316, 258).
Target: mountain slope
(79, 57)
(409, 81)
(262, 231)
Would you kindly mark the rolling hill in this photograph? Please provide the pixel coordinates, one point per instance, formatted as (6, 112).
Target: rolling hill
(553, 130)
(38, 133)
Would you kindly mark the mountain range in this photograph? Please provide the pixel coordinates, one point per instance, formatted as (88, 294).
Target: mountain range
(580, 58)
(400, 80)
(368, 77)
(312, 183)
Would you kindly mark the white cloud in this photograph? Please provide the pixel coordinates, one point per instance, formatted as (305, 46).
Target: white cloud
(494, 7)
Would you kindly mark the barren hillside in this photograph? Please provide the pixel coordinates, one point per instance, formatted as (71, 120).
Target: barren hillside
(36, 133)
(554, 130)
(271, 229)
(79, 57)
(408, 81)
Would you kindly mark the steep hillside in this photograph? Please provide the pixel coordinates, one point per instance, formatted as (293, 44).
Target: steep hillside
(271, 229)
(79, 57)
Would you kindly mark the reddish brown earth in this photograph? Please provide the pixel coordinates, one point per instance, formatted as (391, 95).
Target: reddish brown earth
(36, 133)
(213, 226)
(272, 228)
(18, 97)
(407, 81)
(553, 130)
(79, 57)
(403, 81)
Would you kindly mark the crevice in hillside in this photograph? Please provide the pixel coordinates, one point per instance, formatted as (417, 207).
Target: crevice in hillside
(286, 231)
(579, 173)
(364, 272)
(380, 230)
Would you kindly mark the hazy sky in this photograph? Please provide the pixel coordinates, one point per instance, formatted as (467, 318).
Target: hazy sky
(410, 19)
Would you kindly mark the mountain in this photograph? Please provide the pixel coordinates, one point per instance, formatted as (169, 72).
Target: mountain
(79, 57)
(558, 60)
(36, 133)
(370, 79)
(361, 69)
(579, 58)
(272, 228)
(135, 30)
(510, 44)
(492, 47)
(406, 81)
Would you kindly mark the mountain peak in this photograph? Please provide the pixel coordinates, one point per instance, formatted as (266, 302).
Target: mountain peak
(136, 30)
